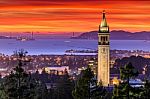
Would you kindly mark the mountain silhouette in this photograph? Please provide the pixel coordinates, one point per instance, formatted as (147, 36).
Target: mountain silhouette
(117, 35)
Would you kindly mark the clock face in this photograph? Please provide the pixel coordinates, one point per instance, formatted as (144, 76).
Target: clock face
(104, 65)
(104, 56)
(103, 50)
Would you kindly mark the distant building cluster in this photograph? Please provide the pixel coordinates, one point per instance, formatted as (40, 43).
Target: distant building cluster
(76, 63)
(57, 70)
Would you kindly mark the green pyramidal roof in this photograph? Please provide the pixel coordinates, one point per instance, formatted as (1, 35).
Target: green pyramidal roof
(104, 22)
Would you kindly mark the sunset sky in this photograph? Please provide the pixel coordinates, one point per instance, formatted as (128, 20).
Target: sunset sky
(73, 15)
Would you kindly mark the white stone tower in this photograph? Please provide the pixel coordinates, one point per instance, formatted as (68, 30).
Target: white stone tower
(103, 75)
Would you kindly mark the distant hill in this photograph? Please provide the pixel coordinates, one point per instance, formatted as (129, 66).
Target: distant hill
(117, 35)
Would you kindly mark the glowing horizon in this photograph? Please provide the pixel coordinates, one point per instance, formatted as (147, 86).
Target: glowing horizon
(73, 16)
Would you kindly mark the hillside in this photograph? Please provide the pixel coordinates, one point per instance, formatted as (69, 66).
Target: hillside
(117, 35)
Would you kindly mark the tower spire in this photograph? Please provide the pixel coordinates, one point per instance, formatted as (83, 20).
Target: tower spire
(104, 22)
(104, 14)
(104, 26)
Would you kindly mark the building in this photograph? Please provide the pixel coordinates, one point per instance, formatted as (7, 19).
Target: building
(58, 70)
(103, 75)
(93, 65)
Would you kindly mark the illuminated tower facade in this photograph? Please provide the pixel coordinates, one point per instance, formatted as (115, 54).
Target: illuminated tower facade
(103, 75)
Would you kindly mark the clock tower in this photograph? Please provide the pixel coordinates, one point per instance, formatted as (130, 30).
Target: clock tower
(103, 75)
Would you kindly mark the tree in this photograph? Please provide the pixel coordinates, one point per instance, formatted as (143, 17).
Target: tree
(19, 84)
(124, 89)
(137, 61)
(65, 87)
(146, 90)
(87, 88)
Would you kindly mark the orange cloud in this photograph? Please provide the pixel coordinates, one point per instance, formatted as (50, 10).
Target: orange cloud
(72, 15)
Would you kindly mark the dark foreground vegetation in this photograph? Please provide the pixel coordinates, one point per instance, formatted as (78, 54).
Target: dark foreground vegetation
(20, 84)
